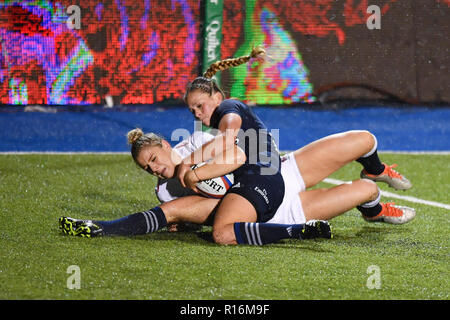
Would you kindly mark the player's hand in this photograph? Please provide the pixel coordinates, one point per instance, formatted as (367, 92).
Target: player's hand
(172, 227)
(190, 180)
(181, 172)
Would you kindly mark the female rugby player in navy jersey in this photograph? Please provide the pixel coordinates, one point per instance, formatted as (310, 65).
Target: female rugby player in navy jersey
(258, 188)
(255, 196)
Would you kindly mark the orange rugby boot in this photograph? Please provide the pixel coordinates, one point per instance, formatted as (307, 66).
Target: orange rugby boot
(393, 214)
(389, 176)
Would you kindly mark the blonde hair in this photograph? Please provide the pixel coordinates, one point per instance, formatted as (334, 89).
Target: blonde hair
(208, 85)
(138, 140)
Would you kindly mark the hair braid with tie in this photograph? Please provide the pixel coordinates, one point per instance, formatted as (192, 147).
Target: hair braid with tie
(208, 85)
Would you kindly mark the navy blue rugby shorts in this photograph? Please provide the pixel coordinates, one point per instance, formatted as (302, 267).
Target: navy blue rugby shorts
(265, 193)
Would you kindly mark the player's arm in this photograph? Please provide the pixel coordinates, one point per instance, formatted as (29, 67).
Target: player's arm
(220, 165)
(229, 127)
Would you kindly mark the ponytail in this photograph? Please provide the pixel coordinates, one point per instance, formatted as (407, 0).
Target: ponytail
(208, 85)
(233, 62)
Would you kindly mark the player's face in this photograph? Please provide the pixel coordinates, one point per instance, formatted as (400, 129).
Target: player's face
(157, 160)
(202, 105)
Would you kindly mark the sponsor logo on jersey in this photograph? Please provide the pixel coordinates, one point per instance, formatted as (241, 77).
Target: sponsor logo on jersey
(263, 193)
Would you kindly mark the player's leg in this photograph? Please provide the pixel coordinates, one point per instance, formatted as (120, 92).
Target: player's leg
(253, 198)
(188, 213)
(235, 223)
(193, 209)
(321, 158)
(233, 208)
(325, 204)
(363, 194)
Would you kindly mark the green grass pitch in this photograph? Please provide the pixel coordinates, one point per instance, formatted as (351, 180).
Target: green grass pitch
(35, 190)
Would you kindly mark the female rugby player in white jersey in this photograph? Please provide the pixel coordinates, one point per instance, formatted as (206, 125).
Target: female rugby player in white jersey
(324, 204)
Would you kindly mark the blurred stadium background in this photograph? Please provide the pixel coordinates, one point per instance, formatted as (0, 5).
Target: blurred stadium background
(328, 72)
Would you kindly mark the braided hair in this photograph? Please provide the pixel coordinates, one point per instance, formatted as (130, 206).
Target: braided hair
(208, 85)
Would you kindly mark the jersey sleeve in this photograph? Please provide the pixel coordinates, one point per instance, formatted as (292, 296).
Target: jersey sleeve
(171, 189)
(227, 106)
(199, 138)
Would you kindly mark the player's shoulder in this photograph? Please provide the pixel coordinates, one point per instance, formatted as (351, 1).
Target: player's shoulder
(232, 104)
(228, 106)
(199, 138)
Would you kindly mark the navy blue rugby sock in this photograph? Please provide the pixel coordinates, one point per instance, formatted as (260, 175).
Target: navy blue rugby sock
(371, 208)
(264, 233)
(135, 224)
(371, 162)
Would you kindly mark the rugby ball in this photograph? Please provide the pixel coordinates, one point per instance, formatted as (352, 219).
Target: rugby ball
(215, 187)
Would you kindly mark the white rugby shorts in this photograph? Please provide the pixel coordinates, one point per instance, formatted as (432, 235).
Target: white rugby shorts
(290, 211)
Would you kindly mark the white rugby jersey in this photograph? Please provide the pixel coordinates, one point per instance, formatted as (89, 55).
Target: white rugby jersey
(170, 189)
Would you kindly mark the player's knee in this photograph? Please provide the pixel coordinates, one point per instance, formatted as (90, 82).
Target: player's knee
(369, 188)
(224, 235)
(364, 139)
(170, 212)
(367, 139)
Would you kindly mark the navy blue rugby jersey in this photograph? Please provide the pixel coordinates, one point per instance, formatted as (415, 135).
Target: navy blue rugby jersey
(254, 138)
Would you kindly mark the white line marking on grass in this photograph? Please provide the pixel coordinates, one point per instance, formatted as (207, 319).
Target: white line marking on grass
(394, 195)
(443, 152)
(415, 152)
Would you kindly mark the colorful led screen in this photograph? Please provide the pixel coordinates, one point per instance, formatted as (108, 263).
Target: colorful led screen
(135, 51)
(145, 51)
(395, 49)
